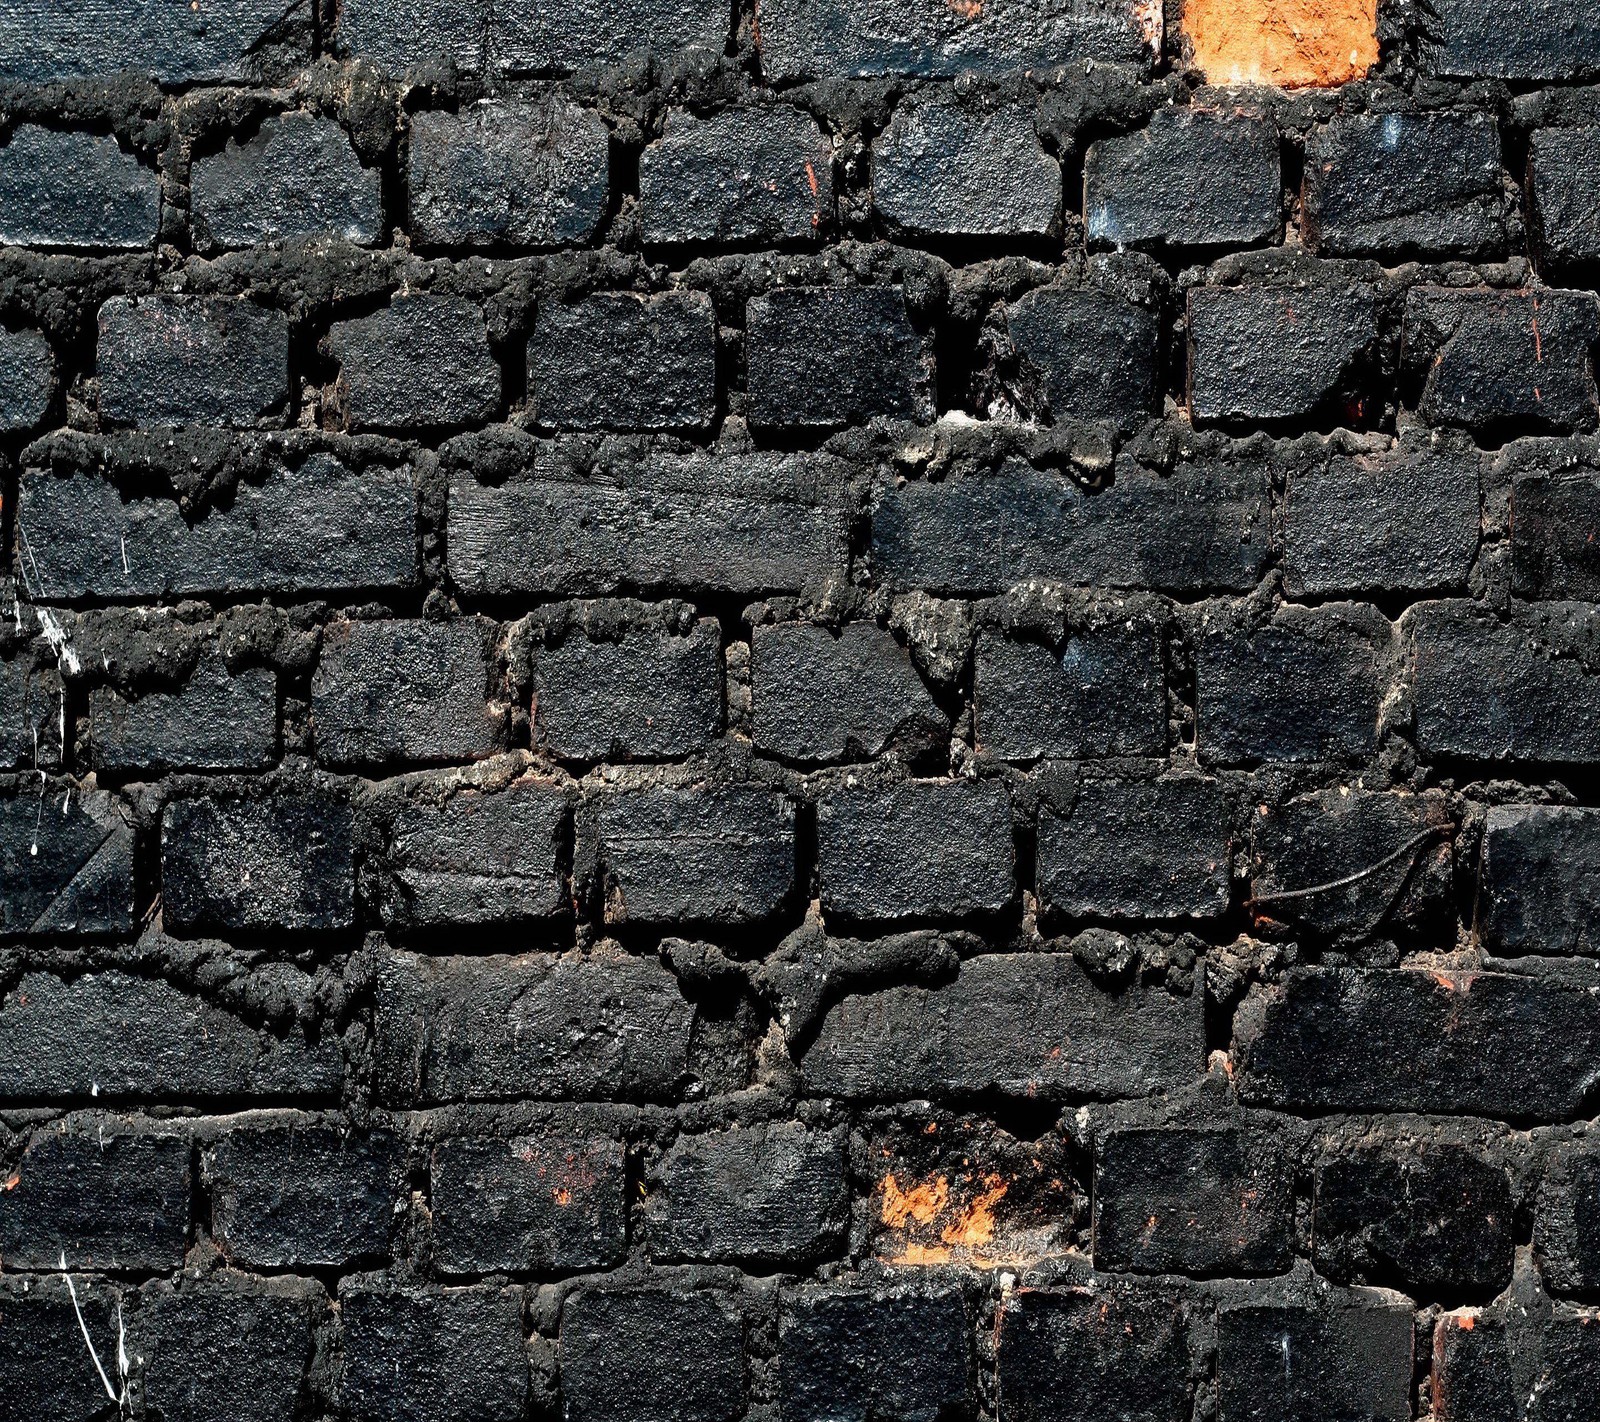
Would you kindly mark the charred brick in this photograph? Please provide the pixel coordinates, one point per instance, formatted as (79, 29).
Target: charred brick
(44, 1368)
(30, 715)
(75, 190)
(1530, 39)
(617, 361)
(742, 176)
(66, 860)
(1022, 1024)
(306, 1195)
(1261, 354)
(1093, 354)
(542, 1203)
(820, 357)
(703, 854)
(27, 379)
(1450, 1043)
(1552, 516)
(402, 691)
(1564, 195)
(772, 1194)
(217, 720)
(1407, 521)
(1386, 185)
(529, 175)
(1486, 359)
(817, 696)
(1567, 1223)
(852, 1355)
(871, 858)
(645, 695)
(1138, 849)
(298, 177)
(421, 361)
(1539, 881)
(941, 170)
(258, 865)
(177, 360)
(1193, 1200)
(432, 1357)
(101, 1198)
(601, 1026)
(1189, 178)
(652, 1352)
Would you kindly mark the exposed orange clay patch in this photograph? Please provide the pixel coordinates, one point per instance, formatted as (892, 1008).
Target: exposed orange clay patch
(921, 1203)
(1291, 44)
(967, 9)
(974, 1226)
(932, 1223)
(12, 1181)
(561, 1196)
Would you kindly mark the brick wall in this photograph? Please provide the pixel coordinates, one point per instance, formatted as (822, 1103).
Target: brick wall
(815, 712)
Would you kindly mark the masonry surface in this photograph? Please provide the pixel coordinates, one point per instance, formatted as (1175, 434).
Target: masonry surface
(815, 712)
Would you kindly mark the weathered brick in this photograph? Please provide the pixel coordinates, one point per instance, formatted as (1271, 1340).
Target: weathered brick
(1304, 685)
(103, 1193)
(1475, 1043)
(303, 1195)
(216, 720)
(811, 39)
(1264, 354)
(1398, 845)
(1023, 1024)
(942, 170)
(1348, 1354)
(643, 695)
(400, 690)
(45, 1371)
(1539, 880)
(1392, 184)
(1564, 195)
(1566, 1232)
(66, 860)
(1531, 39)
(652, 1352)
(318, 527)
(27, 379)
(747, 523)
(474, 858)
(617, 361)
(770, 1194)
(1482, 1362)
(604, 1025)
(1138, 849)
(1405, 520)
(258, 865)
(1118, 1351)
(1510, 690)
(1485, 360)
(528, 175)
(235, 1353)
(1202, 1200)
(439, 1356)
(1551, 517)
(742, 176)
(178, 360)
(1429, 1217)
(543, 1203)
(1189, 178)
(854, 1354)
(63, 189)
(1204, 526)
(1092, 355)
(30, 715)
(420, 361)
(820, 356)
(110, 1035)
(297, 177)
(818, 696)
(872, 861)
(701, 854)
(1100, 693)
(171, 43)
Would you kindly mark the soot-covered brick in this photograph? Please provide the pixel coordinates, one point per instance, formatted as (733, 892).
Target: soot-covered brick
(1564, 195)
(1567, 1222)
(1531, 39)
(217, 720)
(1552, 515)
(1539, 880)
(27, 379)
(66, 857)
(422, 360)
(1092, 354)
(75, 190)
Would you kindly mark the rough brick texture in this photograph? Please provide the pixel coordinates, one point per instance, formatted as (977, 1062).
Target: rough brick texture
(799, 711)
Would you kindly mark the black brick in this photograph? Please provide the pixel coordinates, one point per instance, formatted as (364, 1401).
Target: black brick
(1567, 1222)
(30, 715)
(531, 175)
(1531, 39)
(1539, 881)
(259, 865)
(617, 361)
(215, 721)
(1189, 178)
(1553, 515)
(543, 1203)
(45, 1371)
(60, 189)
(1564, 195)
(819, 357)
(66, 860)
(422, 360)
(1093, 355)
(27, 379)
(1138, 849)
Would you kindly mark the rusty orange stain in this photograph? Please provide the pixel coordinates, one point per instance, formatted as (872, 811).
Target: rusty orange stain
(811, 177)
(12, 1181)
(1290, 44)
